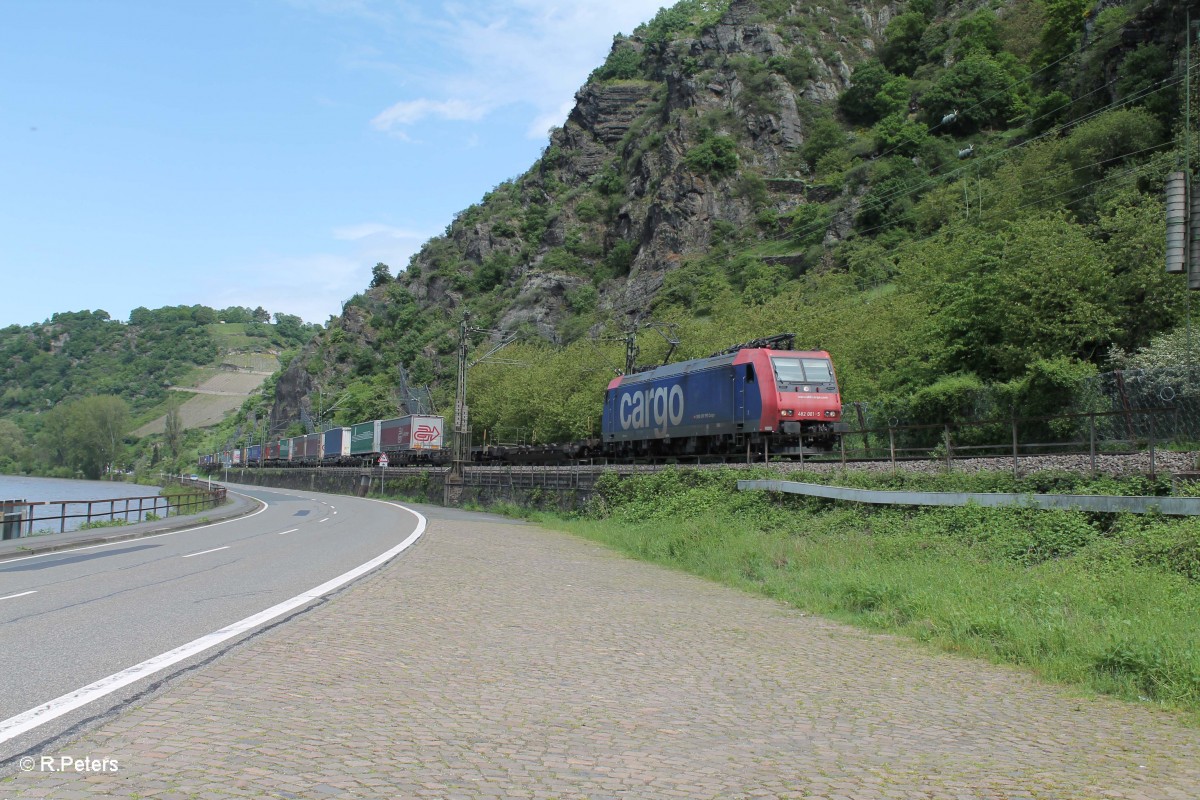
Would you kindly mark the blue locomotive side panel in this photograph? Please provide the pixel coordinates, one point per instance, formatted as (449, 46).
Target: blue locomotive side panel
(706, 397)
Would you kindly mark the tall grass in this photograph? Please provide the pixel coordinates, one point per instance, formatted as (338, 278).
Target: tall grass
(1108, 602)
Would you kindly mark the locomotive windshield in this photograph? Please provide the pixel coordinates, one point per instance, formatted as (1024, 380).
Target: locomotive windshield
(803, 370)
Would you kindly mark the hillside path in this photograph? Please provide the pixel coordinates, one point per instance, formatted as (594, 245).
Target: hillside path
(498, 660)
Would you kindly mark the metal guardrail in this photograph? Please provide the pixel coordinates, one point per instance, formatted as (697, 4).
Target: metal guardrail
(21, 518)
(1106, 504)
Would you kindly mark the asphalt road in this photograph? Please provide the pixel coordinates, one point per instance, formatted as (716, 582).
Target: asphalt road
(71, 618)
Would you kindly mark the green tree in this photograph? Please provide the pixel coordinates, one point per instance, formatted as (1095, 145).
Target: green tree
(979, 32)
(381, 275)
(624, 62)
(902, 52)
(173, 432)
(978, 87)
(367, 398)
(859, 102)
(823, 135)
(716, 155)
(85, 435)
(14, 448)
(1064, 20)
(1037, 288)
(1143, 74)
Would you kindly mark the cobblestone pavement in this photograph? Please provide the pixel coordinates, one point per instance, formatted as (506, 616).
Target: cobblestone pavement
(498, 660)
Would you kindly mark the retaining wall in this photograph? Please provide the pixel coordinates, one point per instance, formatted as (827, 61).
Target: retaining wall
(529, 489)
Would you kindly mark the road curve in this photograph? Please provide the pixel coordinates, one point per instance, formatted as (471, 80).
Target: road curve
(498, 660)
(87, 617)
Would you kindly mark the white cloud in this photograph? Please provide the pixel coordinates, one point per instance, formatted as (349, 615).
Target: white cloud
(409, 112)
(467, 60)
(315, 286)
(371, 229)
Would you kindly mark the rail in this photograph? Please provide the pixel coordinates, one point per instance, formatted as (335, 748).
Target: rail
(21, 518)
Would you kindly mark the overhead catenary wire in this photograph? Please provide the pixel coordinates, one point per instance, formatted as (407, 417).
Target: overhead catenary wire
(882, 201)
(1028, 78)
(1001, 154)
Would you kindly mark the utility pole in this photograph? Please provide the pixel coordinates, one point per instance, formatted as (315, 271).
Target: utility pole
(462, 420)
(461, 430)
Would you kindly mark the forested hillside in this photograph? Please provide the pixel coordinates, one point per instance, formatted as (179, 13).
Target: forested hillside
(72, 387)
(952, 198)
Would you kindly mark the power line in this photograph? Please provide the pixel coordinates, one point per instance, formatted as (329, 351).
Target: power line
(881, 201)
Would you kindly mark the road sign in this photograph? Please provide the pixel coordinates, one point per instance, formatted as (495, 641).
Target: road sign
(383, 460)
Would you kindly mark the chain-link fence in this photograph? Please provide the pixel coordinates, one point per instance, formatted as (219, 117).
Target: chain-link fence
(1115, 412)
(1175, 388)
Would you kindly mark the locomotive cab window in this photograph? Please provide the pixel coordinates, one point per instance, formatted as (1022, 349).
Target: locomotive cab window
(749, 373)
(802, 370)
(817, 370)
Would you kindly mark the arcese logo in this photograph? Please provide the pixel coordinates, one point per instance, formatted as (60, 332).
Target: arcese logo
(426, 433)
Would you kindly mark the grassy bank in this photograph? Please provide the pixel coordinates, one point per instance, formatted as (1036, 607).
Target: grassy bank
(1108, 602)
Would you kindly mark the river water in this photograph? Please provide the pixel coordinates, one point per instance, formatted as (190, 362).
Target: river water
(14, 487)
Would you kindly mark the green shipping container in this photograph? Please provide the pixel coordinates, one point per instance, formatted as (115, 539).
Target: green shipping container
(364, 438)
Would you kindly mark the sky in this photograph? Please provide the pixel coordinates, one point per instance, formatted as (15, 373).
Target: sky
(265, 152)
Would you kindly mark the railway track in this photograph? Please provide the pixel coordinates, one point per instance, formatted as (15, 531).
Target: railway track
(1116, 464)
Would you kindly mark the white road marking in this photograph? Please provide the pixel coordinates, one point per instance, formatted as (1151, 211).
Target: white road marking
(322, 520)
(291, 530)
(203, 552)
(19, 594)
(28, 720)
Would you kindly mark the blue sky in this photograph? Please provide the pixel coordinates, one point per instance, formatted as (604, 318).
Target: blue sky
(264, 152)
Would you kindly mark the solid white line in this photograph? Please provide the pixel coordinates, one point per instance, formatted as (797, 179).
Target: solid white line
(265, 506)
(290, 530)
(28, 720)
(20, 594)
(203, 552)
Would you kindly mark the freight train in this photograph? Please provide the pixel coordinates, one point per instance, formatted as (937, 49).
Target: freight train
(413, 439)
(758, 399)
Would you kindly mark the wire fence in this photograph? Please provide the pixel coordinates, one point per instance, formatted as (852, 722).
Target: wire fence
(1129, 411)
(1118, 411)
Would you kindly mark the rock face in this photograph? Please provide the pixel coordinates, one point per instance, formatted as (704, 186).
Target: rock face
(615, 201)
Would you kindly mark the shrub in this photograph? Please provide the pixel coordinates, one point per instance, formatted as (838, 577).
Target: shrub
(902, 52)
(624, 62)
(859, 102)
(824, 135)
(716, 155)
(620, 257)
(978, 87)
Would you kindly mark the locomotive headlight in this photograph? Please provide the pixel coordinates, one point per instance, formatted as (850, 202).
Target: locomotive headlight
(788, 412)
(831, 413)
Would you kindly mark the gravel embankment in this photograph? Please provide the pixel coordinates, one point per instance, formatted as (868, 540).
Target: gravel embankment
(1165, 462)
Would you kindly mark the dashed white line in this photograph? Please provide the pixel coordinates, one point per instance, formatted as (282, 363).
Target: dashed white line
(18, 594)
(290, 530)
(322, 520)
(202, 552)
